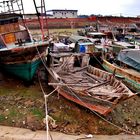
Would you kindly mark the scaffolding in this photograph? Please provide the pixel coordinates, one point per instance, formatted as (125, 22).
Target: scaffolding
(11, 6)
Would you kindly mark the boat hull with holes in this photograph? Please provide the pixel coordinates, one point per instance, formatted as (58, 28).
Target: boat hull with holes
(85, 85)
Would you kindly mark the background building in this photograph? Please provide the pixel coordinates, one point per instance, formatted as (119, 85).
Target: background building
(62, 13)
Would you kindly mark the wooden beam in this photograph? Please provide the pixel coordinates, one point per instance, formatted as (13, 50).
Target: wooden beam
(70, 84)
(80, 69)
(101, 84)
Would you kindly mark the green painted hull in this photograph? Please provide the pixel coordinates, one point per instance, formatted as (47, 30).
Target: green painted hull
(24, 71)
(130, 80)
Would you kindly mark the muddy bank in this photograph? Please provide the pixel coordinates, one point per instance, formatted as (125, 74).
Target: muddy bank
(23, 106)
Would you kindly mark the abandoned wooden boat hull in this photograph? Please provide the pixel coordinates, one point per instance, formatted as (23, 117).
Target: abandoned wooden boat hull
(90, 87)
(93, 104)
(131, 79)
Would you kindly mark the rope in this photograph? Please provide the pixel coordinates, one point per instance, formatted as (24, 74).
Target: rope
(45, 99)
(43, 61)
(46, 107)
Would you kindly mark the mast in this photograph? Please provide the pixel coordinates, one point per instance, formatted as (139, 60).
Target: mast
(42, 17)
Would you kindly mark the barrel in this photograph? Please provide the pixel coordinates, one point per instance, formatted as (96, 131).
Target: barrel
(82, 49)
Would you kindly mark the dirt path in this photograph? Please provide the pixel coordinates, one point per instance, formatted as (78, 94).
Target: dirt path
(10, 133)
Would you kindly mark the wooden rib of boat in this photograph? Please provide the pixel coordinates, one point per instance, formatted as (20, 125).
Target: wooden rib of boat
(88, 86)
(131, 76)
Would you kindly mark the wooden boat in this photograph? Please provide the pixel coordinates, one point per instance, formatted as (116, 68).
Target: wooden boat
(83, 84)
(22, 62)
(117, 46)
(20, 55)
(131, 76)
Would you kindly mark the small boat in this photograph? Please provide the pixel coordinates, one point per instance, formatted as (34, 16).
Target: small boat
(117, 46)
(23, 61)
(128, 67)
(86, 85)
(20, 55)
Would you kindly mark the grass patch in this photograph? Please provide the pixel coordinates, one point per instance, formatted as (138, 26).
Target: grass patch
(13, 113)
(5, 91)
(30, 92)
(22, 91)
(2, 118)
(38, 113)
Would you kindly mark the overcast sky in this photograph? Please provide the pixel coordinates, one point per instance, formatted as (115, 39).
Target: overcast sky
(104, 7)
(88, 7)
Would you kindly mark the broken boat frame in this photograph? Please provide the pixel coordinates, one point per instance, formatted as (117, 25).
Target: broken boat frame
(88, 86)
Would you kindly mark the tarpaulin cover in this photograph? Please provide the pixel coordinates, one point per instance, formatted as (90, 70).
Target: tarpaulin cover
(130, 57)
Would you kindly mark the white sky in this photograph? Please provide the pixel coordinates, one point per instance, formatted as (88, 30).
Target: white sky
(88, 7)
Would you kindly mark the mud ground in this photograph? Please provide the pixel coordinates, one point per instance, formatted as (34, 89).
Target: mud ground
(22, 105)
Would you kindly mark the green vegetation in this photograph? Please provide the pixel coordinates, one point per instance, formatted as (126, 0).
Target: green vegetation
(38, 113)
(2, 118)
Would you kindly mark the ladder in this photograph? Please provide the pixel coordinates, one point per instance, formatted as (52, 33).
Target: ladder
(40, 8)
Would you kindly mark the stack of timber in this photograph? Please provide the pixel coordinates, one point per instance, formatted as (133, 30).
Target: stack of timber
(83, 84)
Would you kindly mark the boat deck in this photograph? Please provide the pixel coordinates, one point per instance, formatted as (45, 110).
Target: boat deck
(82, 81)
(24, 45)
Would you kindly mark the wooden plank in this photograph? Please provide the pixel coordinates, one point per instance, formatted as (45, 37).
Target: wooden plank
(90, 79)
(97, 100)
(55, 65)
(94, 77)
(54, 74)
(80, 69)
(111, 94)
(63, 84)
(101, 84)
